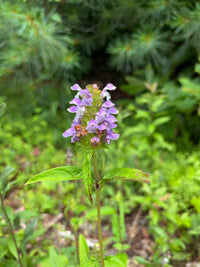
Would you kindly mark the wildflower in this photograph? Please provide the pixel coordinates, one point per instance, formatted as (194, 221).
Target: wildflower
(94, 116)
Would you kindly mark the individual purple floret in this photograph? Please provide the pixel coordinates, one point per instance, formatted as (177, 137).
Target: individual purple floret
(76, 87)
(108, 104)
(111, 136)
(76, 101)
(104, 92)
(70, 132)
(94, 141)
(112, 110)
(92, 126)
(94, 116)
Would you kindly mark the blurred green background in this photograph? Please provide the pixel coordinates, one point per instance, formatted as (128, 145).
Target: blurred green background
(151, 51)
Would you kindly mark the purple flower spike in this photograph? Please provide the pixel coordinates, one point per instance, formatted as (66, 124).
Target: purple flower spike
(76, 87)
(94, 119)
(91, 126)
(109, 86)
(108, 104)
(69, 132)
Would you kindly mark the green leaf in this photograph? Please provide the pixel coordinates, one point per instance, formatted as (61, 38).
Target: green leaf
(161, 120)
(115, 227)
(58, 174)
(190, 87)
(140, 260)
(119, 260)
(106, 210)
(29, 231)
(83, 250)
(121, 221)
(5, 185)
(121, 247)
(12, 248)
(57, 260)
(126, 174)
(197, 68)
(2, 108)
(195, 231)
(16, 221)
(87, 177)
(3, 247)
(9, 212)
(54, 259)
(27, 214)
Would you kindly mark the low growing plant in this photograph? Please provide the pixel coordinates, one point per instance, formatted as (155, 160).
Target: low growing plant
(92, 128)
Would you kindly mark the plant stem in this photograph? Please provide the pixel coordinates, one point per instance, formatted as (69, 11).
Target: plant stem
(98, 208)
(11, 230)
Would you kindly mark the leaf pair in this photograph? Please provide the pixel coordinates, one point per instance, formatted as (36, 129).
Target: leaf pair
(66, 173)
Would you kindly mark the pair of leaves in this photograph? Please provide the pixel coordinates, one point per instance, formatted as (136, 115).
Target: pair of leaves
(66, 173)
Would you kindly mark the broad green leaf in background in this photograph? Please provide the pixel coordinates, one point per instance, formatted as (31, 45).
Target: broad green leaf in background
(119, 260)
(140, 260)
(83, 251)
(161, 120)
(29, 232)
(9, 212)
(58, 174)
(197, 68)
(12, 248)
(87, 177)
(3, 246)
(116, 227)
(106, 210)
(54, 259)
(5, 185)
(126, 174)
(190, 87)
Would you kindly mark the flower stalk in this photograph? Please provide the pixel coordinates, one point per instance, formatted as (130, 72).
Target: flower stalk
(97, 187)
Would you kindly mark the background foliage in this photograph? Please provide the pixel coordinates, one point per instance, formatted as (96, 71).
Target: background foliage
(150, 49)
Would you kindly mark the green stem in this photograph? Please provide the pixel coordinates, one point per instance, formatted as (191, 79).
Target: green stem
(11, 230)
(98, 208)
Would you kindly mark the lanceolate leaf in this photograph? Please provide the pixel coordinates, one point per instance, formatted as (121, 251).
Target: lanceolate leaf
(120, 260)
(83, 251)
(87, 177)
(58, 174)
(126, 174)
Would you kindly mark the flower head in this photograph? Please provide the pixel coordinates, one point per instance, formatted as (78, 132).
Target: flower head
(94, 116)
